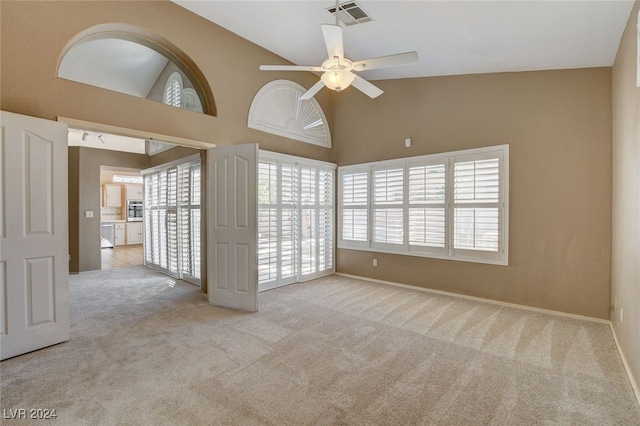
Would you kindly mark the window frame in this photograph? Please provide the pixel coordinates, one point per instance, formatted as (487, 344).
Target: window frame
(315, 204)
(448, 252)
(163, 181)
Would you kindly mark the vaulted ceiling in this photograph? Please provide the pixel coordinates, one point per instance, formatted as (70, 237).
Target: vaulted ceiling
(451, 37)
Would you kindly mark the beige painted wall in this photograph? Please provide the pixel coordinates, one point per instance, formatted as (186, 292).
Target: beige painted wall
(31, 48)
(626, 196)
(558, 127)
(34, 34)
(558, 124)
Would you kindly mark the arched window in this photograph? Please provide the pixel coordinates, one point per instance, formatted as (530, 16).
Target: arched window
(277, 109)
(173, 91)
(134, 61)
(190, 100)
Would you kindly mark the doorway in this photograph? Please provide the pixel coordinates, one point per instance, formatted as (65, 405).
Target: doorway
(121, 217)
(113, 208)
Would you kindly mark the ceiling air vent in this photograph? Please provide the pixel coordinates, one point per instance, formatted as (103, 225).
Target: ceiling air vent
(351, 13)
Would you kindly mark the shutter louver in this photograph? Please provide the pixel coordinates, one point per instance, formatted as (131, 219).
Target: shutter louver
(388, 222)
(427, 194)
(476, 196)
(267, 222)
(355, 196)
(308, 218)
(289, 221)
(295, 221)
(448, 206)
(172, 220)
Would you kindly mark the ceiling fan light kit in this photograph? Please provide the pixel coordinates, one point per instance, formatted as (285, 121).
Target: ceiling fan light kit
(337, 80)
(338, 71)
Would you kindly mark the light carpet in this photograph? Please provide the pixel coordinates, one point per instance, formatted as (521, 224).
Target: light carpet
(331, 351)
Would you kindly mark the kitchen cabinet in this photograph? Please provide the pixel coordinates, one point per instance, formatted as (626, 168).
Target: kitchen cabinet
(134, 232)
(119, 234)
(134, 192)
(111, 195)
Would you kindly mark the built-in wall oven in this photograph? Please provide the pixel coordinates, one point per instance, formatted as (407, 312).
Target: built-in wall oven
(134, 211)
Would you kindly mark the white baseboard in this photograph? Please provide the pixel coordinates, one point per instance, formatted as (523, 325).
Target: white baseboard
(632, 379)
(480, 299)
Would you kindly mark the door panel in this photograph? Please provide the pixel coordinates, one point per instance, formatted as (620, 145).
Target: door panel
(233, 236)
(34, 264)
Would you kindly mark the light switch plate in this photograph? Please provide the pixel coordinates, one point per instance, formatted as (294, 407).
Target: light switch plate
(88, 213)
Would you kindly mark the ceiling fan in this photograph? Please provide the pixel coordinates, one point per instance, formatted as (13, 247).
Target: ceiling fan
(338, 71)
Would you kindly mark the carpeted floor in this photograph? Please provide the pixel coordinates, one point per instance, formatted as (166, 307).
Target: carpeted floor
(331, 351)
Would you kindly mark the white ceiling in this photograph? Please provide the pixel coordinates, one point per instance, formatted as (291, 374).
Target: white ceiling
(451, 37)
(115, 64)
(109, 141)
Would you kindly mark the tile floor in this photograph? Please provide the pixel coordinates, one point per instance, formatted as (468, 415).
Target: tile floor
(120, 256)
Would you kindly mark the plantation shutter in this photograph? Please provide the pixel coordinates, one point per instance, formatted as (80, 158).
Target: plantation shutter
(427, 196)
(477, 202)
(295, 220)
(267, 222)
(325, 219)
(172, 220)
(288, 220)
(388, 215)
(447, 206)
(308, 221)
(355, 204)
(189, 228)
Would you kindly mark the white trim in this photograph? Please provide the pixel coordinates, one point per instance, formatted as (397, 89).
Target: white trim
(295, 160)
(632, 380)
(499, 256)
(431, 158)
(479, 299)
(429, 255)
(297, 164)
(133, 133)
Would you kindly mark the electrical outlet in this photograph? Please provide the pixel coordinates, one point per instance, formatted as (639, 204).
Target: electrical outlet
(375, 262)
(621, 315)
(88, 213)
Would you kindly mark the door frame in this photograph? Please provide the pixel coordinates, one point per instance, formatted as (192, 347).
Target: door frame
(142, 134)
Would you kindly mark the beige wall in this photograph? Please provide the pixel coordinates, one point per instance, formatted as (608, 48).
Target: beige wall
(84, 194)
(557, 123)
(31, 48)
(558, 127)
(175, 154)
(626, 196)
(34, 34)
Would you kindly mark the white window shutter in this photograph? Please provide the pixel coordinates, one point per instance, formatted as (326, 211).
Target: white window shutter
(450, 206)
(295, 220)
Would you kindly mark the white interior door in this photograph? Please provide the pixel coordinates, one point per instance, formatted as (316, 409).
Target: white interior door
(232, 232)
(34, 264)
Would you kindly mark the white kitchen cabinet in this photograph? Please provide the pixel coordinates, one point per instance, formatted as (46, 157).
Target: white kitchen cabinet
(111, 195)
(134, 192)
(134, 232)
(119, 234)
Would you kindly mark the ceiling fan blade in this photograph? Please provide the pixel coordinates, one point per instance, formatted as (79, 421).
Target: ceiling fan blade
(399, 59)
(289, 68)
(365, 87)
(333, 40)
(312, 91)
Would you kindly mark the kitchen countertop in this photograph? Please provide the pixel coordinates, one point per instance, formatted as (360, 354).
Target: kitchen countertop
(113, 221)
